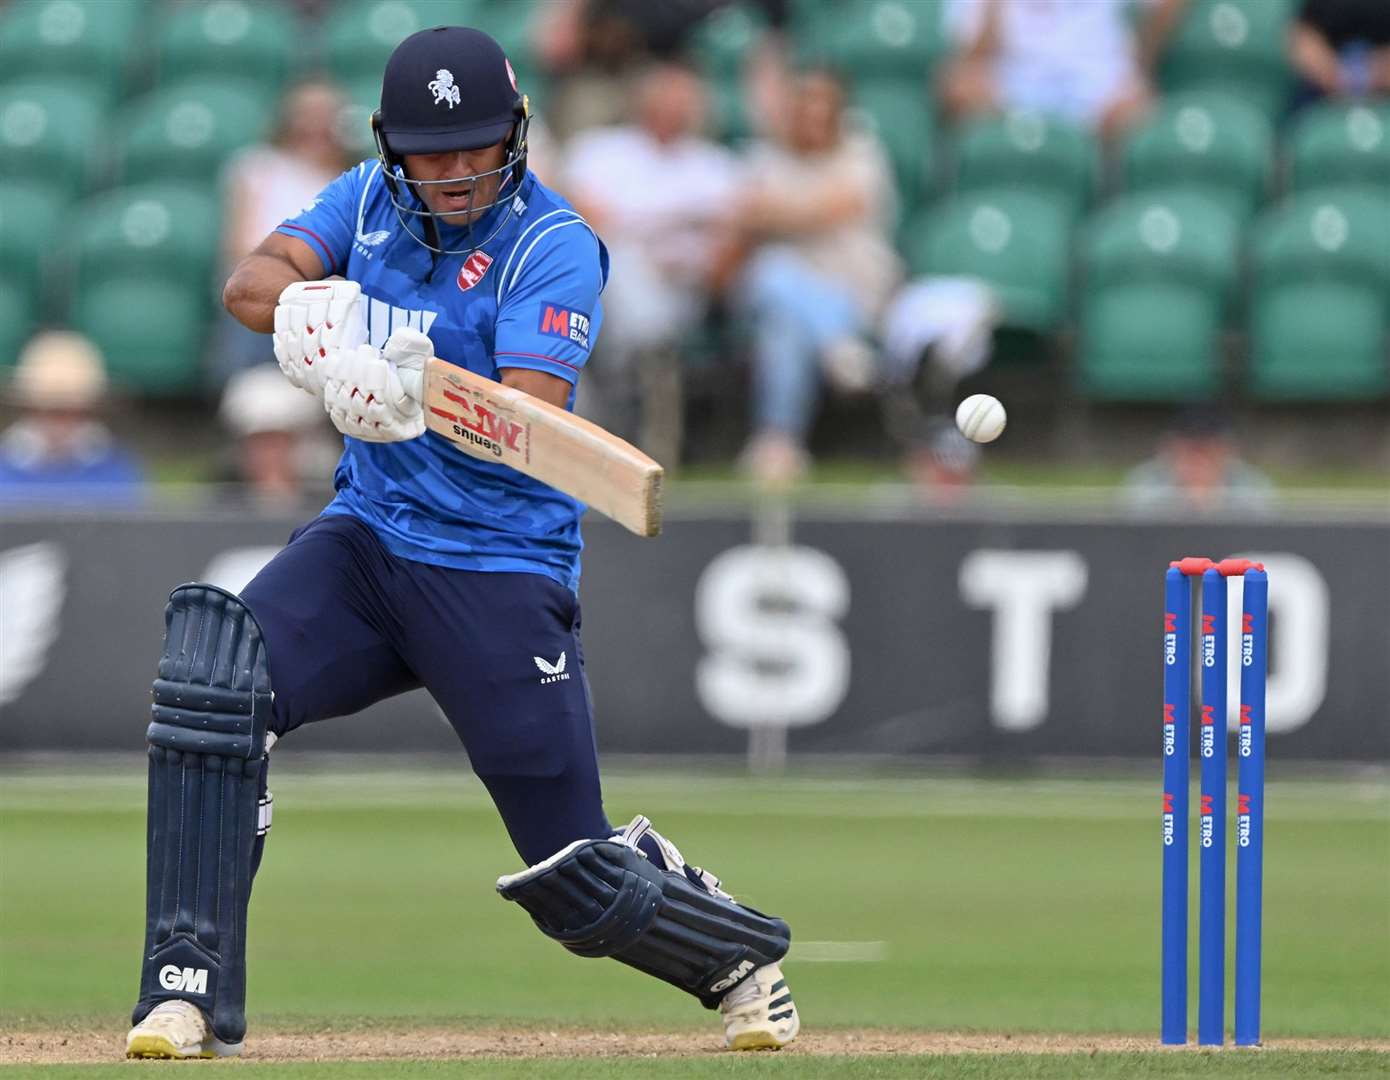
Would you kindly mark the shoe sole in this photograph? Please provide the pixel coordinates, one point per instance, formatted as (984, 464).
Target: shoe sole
(158, 1046)
(756, 1040)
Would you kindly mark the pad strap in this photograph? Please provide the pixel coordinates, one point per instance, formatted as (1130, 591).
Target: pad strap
(605, 898)
(207, 746)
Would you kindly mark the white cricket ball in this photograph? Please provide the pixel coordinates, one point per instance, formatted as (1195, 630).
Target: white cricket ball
(981, 418)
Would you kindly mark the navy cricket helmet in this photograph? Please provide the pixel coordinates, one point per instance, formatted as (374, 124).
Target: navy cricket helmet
(449, 88)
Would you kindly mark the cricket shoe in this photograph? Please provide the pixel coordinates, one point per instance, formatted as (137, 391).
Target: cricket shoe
(176, 1029)
(760, 1015)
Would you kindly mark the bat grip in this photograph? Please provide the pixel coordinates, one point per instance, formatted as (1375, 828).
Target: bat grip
(411, 372)
(407, 350)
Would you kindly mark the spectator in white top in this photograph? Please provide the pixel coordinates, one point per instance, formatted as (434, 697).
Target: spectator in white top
(814, 225)
(1082, 60)
(658, 192)
(282, 437)
(267, 183)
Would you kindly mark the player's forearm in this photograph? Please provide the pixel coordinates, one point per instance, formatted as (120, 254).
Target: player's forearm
(808, 212)
(1313, 58)
(254, 288)
(1157, 29)
(539, 384)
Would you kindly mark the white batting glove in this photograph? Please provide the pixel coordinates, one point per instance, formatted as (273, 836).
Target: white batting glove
(312, 318)
(366, 391)
(408, 350)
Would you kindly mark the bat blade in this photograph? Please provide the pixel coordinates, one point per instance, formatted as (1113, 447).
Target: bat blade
(492, 422)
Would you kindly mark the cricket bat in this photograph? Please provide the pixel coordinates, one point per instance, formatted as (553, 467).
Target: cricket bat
(492, 422)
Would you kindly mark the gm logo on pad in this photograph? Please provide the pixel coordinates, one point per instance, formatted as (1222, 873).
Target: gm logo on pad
(566, 323)
(189, 980)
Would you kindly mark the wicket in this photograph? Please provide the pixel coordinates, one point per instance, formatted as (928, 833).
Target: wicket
(1177, 711)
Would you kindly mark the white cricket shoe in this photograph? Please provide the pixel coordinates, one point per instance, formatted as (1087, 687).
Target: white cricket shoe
(176, 1029)
(760, 1015)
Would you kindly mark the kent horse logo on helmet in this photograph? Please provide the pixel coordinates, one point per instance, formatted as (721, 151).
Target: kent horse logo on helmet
(443, 88)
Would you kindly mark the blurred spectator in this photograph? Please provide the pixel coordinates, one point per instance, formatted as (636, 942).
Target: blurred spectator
(58, 449)
(268, 183)
(1198, 470)
(594, 49)
(942, 462)
(281, 436)
(935, 332)
(1081, 60)
(655, 190)
(1341, 48)
(814, 226)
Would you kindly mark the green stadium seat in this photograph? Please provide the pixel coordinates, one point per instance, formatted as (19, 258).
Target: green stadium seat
(31, 219)
(85, 45)
(1159, 270)
(728, 115)
(146, 230)
(234, 38)
(1320, 298)
(51, 133)
(17, 321)
(1015, 241)
(1030, 151)
(1236, 46)
(359, 35)
(187, 131)
(901, 38)
(1337, 145)
(155, 357)
(900, 113)
(363, 99)
(143, 250)
(1212, 143)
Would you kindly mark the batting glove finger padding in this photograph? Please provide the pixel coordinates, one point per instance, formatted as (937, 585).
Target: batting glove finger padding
(365, 397)
(312, 318)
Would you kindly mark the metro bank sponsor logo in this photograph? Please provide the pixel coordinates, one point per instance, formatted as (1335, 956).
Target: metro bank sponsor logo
(1208, 640)
(1170, 639)
(1170, 731)
(1208, 731)
(1208, 822)
(1169, 820)
(1247, 733)
(566, 323)
(1243, 819)
(1247, 639)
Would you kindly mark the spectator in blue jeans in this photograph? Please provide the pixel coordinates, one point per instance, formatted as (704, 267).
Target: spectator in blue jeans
(816, 266)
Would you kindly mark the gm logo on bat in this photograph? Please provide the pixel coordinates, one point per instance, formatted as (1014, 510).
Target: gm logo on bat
(562, 322)
(482, 427)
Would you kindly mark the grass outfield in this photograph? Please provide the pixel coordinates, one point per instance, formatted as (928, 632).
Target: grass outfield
(939, 904)
(1279, 1065)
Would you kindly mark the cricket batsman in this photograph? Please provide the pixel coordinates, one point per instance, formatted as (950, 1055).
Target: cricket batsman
(429, 568)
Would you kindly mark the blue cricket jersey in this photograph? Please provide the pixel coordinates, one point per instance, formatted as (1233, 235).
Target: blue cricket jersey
(527, 298)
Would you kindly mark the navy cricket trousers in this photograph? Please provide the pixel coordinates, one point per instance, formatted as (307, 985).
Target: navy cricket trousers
(346, 624)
